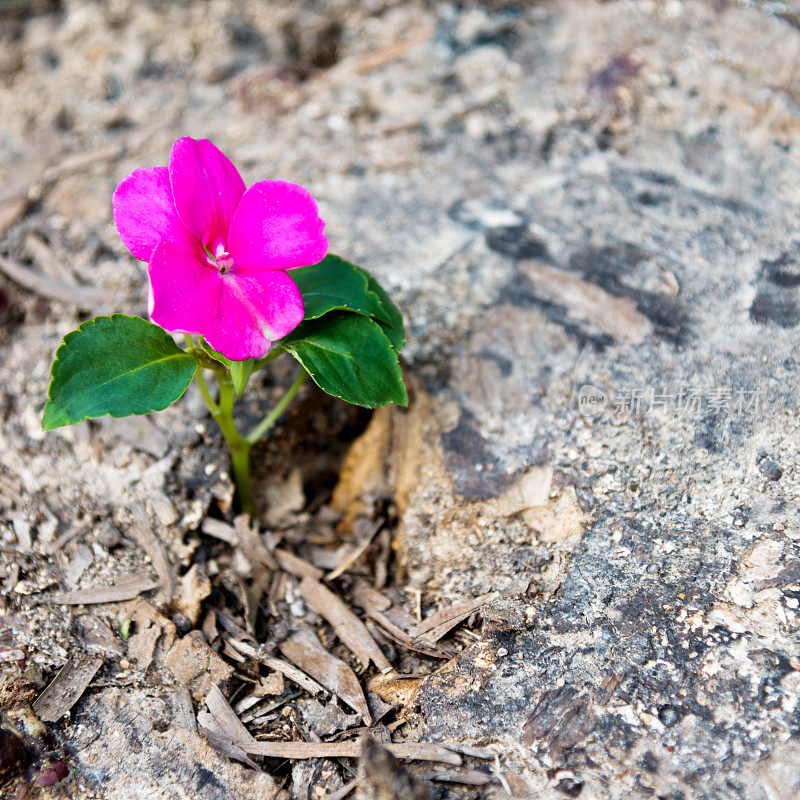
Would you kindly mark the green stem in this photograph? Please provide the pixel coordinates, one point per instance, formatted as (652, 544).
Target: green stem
(222, 412)
(204, 392)
(273, 415)
(239, 446)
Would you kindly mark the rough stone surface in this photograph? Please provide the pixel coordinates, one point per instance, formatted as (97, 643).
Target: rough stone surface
(560, 195)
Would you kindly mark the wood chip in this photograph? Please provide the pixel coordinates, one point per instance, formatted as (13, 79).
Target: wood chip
(150, 543)
(294, 565)
(225, 746)
(79, 527)
(482, 753)
(415, 751)
(305, 649)
(195, 586)
(353, 555)
(419, 645)
(66, 688)
(342, 792)
(349, 628)
(125, 588)
(467, 777)
(182, 709)
(438, 624)
(225, 717)
(84, 297)
(97, 637)
(219, 530)
(142, 645)
(70, 163)
(249, 542)
(370, 598)
(288, 670)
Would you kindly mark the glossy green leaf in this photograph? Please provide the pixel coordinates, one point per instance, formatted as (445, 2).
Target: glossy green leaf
(390, 318)
(350, 357)
(210, 351)
(115, 366)
(336, 285)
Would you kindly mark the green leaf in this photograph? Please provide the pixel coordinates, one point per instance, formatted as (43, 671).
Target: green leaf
(336, 285)
(350, 357)
(210, 351)
(391, 320)
(115, 366)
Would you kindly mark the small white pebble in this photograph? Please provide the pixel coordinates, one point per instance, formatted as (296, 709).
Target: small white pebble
(502, 652)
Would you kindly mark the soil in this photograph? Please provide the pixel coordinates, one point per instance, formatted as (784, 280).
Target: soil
(580, 542)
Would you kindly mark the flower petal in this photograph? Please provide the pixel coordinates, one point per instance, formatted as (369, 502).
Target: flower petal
(144, 212)
(276, 226)
(206, 188)
(254, 310)
(185, 290)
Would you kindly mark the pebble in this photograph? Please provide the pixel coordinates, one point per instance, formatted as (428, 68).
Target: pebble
(770, 469)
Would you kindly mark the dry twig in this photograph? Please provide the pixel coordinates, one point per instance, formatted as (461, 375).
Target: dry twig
(349, 628)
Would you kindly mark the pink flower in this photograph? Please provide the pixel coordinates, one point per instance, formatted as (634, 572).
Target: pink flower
(217, 252)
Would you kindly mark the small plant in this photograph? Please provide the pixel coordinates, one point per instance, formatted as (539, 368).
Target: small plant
(245, 276)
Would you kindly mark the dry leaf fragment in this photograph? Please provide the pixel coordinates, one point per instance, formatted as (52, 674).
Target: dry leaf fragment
(66, 688)
(225, 717)
(416, 751)
(290, 671)
(223, 745)
(182, 709)
(394, 690)
(438, 624)
(250, 543)
(284, 497)
(305, 649)
(363, 468)
(295, 565)
(352, 555)
(125, 588)
(150, 543)
(349, 628)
